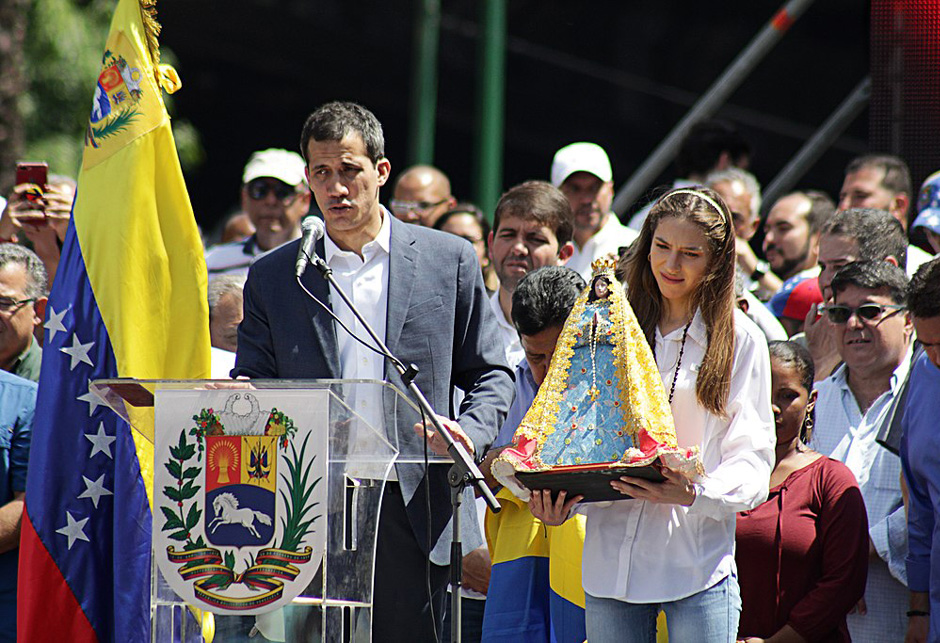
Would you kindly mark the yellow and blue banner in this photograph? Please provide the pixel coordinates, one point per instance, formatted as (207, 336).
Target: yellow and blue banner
(129, 300)
(535, 593)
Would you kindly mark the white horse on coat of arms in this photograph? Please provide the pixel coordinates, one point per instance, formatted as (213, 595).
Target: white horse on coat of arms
(227, 512)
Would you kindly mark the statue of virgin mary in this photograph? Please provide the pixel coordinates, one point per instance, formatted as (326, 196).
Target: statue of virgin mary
(602, 404)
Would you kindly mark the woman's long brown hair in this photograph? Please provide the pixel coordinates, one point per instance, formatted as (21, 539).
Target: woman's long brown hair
(714, 295)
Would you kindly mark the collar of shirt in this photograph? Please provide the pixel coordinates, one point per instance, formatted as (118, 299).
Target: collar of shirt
(340, 259)
(841, 375)
(697, 331)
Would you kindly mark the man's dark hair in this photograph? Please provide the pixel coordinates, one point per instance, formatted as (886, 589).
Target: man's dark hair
(897, 176)
(873, 275)
(704, 144)
(544, 298)
(821, 209)
(877, 234)
(333, 121)
(923, 292)
(538, 201)
(37, 283)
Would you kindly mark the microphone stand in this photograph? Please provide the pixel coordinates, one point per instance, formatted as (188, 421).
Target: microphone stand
(464, 471)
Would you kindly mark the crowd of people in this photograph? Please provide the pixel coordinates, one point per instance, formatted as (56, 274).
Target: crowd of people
(805, 368)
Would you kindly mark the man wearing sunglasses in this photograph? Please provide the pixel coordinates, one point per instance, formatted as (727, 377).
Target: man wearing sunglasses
(22, 309)
(873, 332)
(421, 195)
(275, 197)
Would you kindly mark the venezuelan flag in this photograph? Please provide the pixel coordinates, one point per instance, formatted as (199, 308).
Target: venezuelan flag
(129, 300)
(535, 593)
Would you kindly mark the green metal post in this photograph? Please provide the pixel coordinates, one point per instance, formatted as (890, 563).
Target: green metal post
(424, 86)
(488, 176)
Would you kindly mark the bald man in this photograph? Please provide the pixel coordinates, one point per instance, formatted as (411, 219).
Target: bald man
(421, 195)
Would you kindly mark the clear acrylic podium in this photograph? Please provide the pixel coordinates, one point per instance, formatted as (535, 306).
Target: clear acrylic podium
(369, 427)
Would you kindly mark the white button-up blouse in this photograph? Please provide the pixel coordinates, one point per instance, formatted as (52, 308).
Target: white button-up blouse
(645, 552)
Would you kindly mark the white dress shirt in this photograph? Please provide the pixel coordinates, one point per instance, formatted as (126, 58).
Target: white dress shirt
(365, 281)
(644, 552)
(608, 240)
(507, 333)
(846, 434)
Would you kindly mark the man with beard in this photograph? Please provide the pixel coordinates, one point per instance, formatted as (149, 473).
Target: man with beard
(532, 227)
(583, 174)
(791, 233)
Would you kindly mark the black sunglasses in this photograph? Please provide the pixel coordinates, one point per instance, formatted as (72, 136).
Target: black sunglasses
(259, 189)
(839, 314)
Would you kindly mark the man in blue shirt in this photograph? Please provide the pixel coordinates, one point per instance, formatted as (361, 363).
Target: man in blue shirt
(520, 598)
(920, 444)
(17, 406)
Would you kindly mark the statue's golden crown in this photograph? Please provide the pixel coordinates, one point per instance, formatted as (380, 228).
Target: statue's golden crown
(604, 265)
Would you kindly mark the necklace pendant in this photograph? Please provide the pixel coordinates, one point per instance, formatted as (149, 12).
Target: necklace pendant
(593, 392)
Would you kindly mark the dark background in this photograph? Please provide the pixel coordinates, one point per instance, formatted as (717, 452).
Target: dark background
(621, 74)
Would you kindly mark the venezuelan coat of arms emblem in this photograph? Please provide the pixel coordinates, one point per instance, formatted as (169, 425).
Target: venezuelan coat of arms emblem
(240, 495)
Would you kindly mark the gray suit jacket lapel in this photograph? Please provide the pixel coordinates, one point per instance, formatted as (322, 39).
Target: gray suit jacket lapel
(401, 279)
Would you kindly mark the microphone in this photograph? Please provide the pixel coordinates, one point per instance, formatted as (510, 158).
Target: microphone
(312, 232)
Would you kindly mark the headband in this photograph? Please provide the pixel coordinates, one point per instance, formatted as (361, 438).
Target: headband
(704, 197)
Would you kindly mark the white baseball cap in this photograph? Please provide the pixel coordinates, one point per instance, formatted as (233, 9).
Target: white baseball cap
(275, 163)
(581, 157)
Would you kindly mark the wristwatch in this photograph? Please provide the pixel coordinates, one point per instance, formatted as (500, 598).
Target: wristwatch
(762, 269)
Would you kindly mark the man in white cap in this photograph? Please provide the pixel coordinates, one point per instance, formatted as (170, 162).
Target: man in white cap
(275, 197)
(582, 172)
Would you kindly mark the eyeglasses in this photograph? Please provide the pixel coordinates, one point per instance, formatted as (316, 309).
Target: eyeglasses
(8, 304)
(397, 205)
(839, 314)
(259, 189)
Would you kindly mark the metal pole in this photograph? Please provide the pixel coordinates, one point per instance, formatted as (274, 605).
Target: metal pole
(820, 141)
(488, 175)
(709, 103)
(424, 87)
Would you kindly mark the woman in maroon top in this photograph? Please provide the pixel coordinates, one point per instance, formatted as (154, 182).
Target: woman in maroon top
(803, 555)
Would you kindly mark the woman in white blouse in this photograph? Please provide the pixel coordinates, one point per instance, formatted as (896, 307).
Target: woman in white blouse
(671, 545)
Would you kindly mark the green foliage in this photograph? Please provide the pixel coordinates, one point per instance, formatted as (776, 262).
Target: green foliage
(295, 525)
(181, 520)
(64, 43)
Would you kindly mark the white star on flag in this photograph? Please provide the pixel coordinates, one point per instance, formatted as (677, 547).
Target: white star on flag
(93, 400)
(73, 530)
(94, 490)
(54, 324)
(101, 441)
(78, 352)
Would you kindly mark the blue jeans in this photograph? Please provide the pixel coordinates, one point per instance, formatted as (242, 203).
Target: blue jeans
(711, 616)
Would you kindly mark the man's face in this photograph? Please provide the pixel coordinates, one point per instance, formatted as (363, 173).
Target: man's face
(872, 346)
(17, 321)
(519, 246)
(223, 326)
(345, 183)
(739, 202)
(274, 208)
(418, 198)
(835, 251)
(787, 240)
(590, 200)
(863, 189)
(539, 349)
(928, 332)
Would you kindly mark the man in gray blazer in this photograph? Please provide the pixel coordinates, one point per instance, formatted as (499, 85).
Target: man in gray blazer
(422, 291)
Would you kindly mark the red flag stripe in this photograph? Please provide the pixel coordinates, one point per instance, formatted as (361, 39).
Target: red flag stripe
(41, 583)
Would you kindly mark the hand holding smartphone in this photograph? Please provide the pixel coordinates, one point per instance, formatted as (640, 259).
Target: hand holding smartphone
(29, 206)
